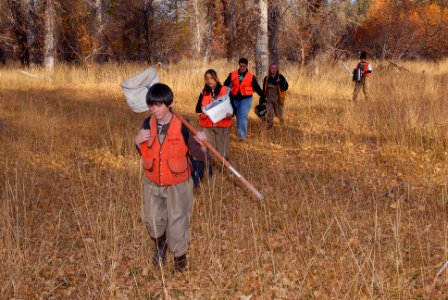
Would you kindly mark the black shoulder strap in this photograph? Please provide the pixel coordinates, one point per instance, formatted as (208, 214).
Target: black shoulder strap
(185, 133)
(146, 123)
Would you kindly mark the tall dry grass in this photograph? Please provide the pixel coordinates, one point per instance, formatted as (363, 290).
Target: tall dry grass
(356, 194)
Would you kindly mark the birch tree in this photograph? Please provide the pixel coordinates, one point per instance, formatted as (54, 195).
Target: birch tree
(261, 47)
(196, 27)
(99, 40)
(49, 36)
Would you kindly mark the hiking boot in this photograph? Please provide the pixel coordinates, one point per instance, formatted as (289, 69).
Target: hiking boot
(160, 251)
(180, 263)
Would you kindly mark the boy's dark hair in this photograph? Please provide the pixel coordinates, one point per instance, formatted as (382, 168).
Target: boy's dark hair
(243, 61)
(363, 55)
(159, 93)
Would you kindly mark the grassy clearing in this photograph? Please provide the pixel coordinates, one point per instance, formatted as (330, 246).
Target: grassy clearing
(356, 193)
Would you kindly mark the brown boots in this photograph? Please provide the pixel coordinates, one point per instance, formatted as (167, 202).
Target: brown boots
(180, 263)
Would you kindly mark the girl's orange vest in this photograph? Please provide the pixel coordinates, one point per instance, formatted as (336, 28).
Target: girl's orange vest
(167, 163)
(245, 86)
(204, 120)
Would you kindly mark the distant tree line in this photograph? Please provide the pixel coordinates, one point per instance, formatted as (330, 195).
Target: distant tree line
(42, 32)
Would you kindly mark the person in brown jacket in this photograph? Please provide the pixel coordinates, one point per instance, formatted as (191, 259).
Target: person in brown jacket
(274, 88)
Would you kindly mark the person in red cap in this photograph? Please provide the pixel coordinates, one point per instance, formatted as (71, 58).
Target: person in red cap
(366, 70)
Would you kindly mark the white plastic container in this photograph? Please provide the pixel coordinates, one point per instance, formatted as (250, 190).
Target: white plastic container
(218, 109)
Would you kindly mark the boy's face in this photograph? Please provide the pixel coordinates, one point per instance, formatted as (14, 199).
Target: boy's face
(243, 67)
(159, 110)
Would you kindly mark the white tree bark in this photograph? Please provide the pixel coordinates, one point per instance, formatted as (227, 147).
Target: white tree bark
(261, 48)
(49, 38)
(197, 27)
(100, 43)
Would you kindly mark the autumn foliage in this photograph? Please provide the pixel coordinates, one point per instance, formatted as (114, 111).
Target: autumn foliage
(172, 30)
(405, 29)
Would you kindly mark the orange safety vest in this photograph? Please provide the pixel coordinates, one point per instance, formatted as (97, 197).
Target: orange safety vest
(244, 86)
(281, 94)
(365, 67)
(204, 120)
(167, 163)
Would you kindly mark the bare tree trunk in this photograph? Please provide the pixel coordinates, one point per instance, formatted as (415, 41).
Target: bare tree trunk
(261, 48)
(2, 55)
(197, 27)
(49, 38)
(209, 32)
(100, 42)
(230, 27)
(19, 28)
(148, 21)
(32, 32)
(273, 23)
(315, 11)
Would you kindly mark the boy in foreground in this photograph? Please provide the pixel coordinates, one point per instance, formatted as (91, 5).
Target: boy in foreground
(168, 186)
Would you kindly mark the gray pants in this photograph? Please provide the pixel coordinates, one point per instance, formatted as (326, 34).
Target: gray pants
(168, 209)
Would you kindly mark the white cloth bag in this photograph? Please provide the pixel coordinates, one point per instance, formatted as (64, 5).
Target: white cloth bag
(136, 87)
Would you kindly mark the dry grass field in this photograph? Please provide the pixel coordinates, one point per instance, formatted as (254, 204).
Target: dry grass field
(356, 193)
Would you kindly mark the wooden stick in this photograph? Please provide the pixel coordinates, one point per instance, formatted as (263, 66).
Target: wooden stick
(434, 282)
(398, 66)
(34, 76)
(379, 196)
(346, 68)
(221, 158)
